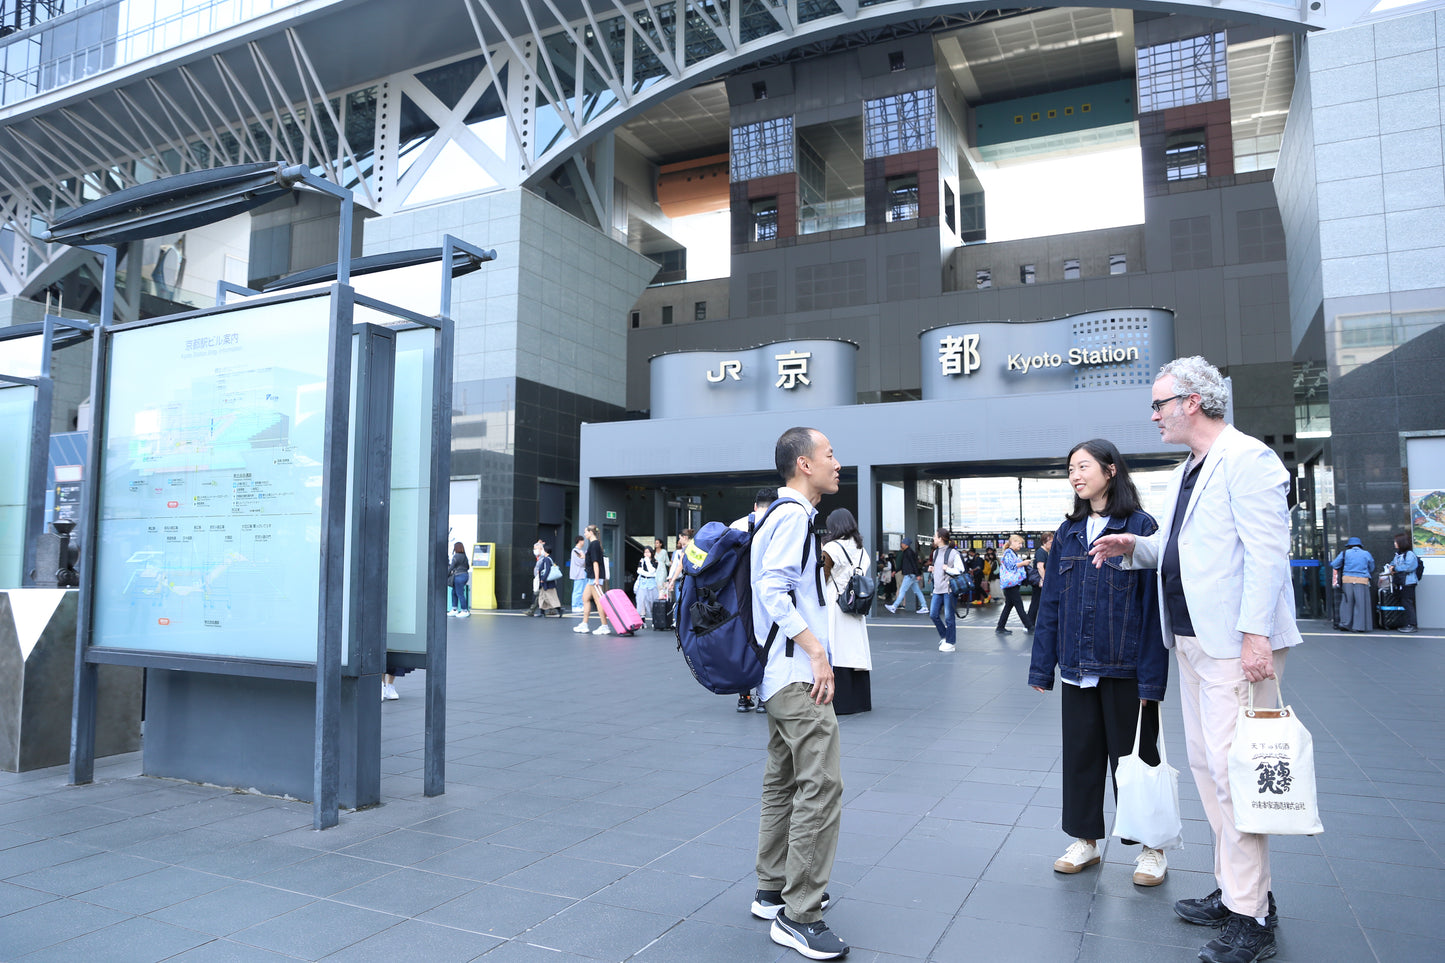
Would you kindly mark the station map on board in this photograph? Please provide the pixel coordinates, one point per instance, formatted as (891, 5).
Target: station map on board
(210, 509)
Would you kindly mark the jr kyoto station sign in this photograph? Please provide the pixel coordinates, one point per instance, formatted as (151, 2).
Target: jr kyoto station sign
(1116, 348)
(781, 376)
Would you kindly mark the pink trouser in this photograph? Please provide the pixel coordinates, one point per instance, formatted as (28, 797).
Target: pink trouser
(1211, 692)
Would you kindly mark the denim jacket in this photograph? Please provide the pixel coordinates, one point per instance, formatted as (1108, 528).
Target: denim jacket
(1099, 621)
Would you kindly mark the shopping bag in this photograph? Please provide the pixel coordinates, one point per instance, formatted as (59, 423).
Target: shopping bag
(1272, 773)
(1146, 808)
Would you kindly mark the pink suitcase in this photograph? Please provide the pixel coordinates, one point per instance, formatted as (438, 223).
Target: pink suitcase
(621, 614)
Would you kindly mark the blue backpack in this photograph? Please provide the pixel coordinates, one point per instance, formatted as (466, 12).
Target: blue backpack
(714, 614)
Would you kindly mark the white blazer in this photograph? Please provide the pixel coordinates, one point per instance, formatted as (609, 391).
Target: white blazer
(1233, 548)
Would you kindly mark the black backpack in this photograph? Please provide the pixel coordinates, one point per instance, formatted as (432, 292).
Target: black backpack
(857, 596)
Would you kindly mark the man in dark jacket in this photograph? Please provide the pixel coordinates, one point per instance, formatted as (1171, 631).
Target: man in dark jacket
(908, 569)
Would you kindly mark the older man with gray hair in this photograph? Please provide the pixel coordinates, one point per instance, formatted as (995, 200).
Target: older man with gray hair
(1227, 607)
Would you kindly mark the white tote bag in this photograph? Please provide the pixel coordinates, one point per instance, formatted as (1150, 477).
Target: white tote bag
(1147, 806)
(1272, 773)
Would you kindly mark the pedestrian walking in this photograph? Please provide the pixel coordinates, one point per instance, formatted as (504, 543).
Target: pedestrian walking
(946, 566)
(596, 574)
(577, 572)
(1012, 572)
(908, 569)
(644, 589)
(1039, 563)
(459, 573)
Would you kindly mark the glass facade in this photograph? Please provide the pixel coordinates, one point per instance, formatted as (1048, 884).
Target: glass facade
(1182, 72)
(899, 124)
(763, 149)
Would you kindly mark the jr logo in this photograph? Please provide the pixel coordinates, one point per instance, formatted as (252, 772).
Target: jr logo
(727, 369)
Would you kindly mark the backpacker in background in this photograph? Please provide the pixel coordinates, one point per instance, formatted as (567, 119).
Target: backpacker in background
(714, 606)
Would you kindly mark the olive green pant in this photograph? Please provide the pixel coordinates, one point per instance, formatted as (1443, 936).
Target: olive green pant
(802, 801)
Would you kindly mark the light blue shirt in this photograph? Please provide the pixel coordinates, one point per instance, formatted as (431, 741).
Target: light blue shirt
(1407, 563)
(1354, 561)
(777, 569)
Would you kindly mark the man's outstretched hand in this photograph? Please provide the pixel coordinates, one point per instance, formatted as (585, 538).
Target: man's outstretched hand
(1110, 546)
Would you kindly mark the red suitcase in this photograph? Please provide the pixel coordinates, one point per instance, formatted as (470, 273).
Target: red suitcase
(620, 613)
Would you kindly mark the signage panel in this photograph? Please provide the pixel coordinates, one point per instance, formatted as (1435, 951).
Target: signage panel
(783, 376)
(1121, 347)
(211, 487)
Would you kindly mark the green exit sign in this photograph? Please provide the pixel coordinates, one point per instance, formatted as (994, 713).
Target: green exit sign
(612, 516)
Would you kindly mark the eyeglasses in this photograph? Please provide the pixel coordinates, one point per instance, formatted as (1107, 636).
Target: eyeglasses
(1158, 406)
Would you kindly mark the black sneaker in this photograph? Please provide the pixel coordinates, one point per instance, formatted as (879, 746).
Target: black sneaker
(745, 703)
(768, 902)
(1211, 911)
(813, 940)
(1243, 941)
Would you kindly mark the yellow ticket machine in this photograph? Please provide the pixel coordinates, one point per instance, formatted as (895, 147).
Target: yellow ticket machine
(484, 575)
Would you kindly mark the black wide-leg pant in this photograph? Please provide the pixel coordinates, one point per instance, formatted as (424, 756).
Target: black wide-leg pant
(1099, 728)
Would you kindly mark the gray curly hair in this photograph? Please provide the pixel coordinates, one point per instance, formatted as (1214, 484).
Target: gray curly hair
(1195, 376)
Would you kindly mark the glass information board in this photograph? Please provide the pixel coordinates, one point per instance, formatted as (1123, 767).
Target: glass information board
(210, 495)
(410, 536)
(17, 407)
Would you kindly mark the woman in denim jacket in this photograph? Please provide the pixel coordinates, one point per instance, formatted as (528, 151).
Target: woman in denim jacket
(1100, 627)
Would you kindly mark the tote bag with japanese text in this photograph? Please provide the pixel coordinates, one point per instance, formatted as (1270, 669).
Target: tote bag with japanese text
(1272, 773)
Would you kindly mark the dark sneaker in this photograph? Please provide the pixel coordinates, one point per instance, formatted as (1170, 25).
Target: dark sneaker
(1243, 941)
(1211, 911)
(814, 940)
(768, 902)
(745, 703)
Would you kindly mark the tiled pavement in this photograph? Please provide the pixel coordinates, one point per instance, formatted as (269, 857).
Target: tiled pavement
(603, 806)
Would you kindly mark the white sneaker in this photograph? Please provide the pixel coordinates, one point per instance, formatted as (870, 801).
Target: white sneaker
(602, 630)
(943, 646)
(1150, 867)
(451, 614)
(581, 628)
(388, 692)
(921, 612)
(464, 614)
(1079, 855)
(891, 608)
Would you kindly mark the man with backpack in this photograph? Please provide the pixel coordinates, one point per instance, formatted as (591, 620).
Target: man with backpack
(802, 798)
(763, 498)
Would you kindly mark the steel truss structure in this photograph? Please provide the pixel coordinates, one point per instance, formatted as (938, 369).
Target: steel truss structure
(527, 90)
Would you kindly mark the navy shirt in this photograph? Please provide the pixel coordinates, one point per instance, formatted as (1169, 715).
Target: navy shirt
(1174, 602)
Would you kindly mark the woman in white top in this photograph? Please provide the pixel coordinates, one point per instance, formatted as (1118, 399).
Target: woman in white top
(843, 553)
(644, 590)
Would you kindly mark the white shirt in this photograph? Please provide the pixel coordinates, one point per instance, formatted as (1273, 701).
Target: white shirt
(777, 556)
(1093, 527)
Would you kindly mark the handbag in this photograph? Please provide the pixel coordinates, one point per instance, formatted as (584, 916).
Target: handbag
(1146, 807)
(553, 573)
(1272, 773)
(857, 596)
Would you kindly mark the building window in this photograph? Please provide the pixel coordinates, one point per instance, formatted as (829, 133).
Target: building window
(1182, 72)
(1071, 269)
(1184, 155)
(1026, 274)
(762, 293)
(970, 214)
(765, 219)
(667, 314)
(903, 198)
(637, 319)
(699, 311)
(1118, 264)
(950, 208)
(760, 90)
(896, 61)
(1261, 236)
(899, 124)
(762, 149)
(983, 278)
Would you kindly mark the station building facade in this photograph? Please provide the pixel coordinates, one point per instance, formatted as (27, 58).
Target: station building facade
(1293, 184)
